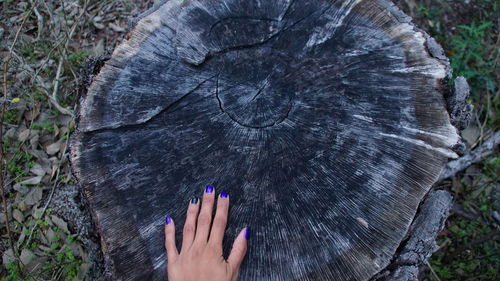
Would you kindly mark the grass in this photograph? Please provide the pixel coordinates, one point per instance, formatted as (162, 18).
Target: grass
(55, 38)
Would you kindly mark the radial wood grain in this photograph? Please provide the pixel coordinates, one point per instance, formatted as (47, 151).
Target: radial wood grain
(324, 120)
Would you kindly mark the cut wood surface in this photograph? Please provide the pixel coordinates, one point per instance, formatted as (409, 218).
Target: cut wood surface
(326, 121)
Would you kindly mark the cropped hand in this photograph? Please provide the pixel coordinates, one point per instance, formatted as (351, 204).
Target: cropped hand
(201, 256)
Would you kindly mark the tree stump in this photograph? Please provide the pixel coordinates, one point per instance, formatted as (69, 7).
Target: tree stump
(326, 121)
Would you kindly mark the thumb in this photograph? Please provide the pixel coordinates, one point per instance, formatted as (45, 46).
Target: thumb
(239, 249)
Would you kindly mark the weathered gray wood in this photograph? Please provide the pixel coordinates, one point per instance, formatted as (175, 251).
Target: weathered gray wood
(420, 243)
(325, 120)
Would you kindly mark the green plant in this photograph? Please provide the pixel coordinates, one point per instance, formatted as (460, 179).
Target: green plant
(13, 274)
(44, 127)
(20, 162)
(468, 57)
(10, 116)
(77, 58)
(34, 51)
(470, 251)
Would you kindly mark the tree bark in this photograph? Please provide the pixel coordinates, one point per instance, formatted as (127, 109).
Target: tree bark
(326, 121)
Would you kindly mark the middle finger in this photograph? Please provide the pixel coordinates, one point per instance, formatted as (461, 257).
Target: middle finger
(205, 216)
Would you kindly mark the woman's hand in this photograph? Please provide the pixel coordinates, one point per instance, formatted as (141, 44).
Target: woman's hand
(201, 254)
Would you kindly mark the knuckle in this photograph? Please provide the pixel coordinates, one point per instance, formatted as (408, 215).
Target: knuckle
(204, 220)
(188, 228)
(214, 249)
(220, 221)
(192, 211)
(194, 253)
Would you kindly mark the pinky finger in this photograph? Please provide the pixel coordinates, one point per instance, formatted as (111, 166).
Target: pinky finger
(170, 246)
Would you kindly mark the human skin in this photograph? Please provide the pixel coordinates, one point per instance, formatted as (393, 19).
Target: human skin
(201, 256)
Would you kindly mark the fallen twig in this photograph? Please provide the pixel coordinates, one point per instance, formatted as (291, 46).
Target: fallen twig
(472, 157)
(69, 35)
(434, 274)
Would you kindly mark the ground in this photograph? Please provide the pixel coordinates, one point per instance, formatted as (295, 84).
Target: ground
(44, 46)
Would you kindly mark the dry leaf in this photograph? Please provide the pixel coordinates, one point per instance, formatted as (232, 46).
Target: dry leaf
(59, 223)
(32, 181)
(34, 141)
(98, 25)
(116, 28)
(471, 134)
(38, 170)
(23, 136)
(21, 188)
(27, 256)
(18, 215)
(53, 148)
(34, 196)
(8, 257)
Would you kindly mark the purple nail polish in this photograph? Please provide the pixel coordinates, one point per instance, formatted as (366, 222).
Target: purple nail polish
(247, 233)
(224, 194)
(209, 189)
(168, 220)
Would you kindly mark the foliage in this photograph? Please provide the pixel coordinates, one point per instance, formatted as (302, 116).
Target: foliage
(469, 35)
(20, 163)
(470, 246)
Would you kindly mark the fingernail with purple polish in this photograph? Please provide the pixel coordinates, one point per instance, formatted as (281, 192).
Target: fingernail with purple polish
(209, 189)
(247, 233)
(168, 220)
(224, 194)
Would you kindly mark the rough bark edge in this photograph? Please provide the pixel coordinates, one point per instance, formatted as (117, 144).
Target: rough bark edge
(89, 71)
(420, 240)
(420, 243)
(68, 204)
